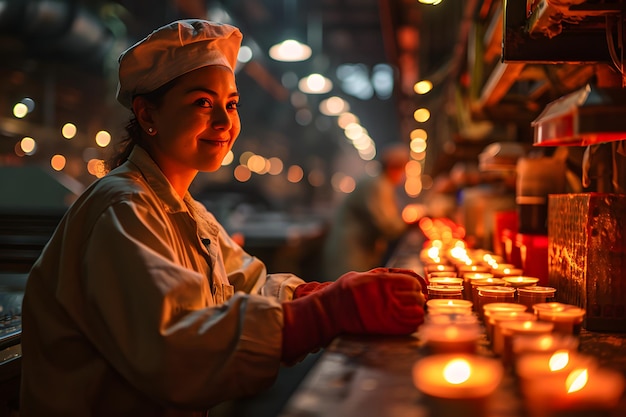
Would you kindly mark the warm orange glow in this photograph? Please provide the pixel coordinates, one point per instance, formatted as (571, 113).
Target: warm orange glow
(558, 360)
(576, 380)
(57, 162)
(457, 371)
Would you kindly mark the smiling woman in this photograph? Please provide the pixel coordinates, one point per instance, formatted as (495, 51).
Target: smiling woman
(141, 304)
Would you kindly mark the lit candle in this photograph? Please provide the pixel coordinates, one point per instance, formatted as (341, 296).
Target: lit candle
(567, 318)
(579, 391)
(520, 281)
(448, 306)
(458, 384)
(437, 274)
(463, 269)
(493, 294)
(468, 277)
(450, 338)
(445, 291)
(492, 308)
(530, 296)
(512, 329)
(476, 283)
(445, 281)
(506, 270)
(543, 343)
(495, 319)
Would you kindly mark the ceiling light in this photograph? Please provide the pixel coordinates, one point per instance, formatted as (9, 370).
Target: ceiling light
(290, 50)
(315, 84)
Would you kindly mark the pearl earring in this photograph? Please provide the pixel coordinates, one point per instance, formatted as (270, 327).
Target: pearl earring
(151, 130)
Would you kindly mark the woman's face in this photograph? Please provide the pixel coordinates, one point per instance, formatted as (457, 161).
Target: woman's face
(196, 123)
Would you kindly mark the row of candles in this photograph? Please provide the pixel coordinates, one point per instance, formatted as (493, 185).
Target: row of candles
(530, 335)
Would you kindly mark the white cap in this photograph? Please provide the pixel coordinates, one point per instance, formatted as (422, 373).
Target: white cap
(173, 50)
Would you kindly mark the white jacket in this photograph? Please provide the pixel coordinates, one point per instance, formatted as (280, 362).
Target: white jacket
(141, 305)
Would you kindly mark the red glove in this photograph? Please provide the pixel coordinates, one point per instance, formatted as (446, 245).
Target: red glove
(309, 287)
(380, 301)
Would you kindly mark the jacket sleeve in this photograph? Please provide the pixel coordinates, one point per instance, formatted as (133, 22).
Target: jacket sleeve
(247, 273)
(153, 321)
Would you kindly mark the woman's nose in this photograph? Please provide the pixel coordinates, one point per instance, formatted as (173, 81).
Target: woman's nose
(220, 119)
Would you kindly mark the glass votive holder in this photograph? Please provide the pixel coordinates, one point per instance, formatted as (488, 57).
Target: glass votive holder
(457, 384)
(450, 338)
(438, 267)
(455, 281)
(482, 282)
(544, 344)
(568, 321)
(584, 392)
(464, 269)
(520, 281)
(530, 296)
(512, 329)
(494, 294)
(448, 306)
(438, 274)
(445, 291)
(533, 368)
(495, 319)
(468, 277)
(451, 318)
(492, 308)
(567, 318)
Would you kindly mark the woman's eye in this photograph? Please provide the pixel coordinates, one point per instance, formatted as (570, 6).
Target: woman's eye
(234, 105)
(203, 102)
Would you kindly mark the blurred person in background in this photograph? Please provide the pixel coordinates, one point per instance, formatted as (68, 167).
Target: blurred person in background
(368, 221)
(141, 304)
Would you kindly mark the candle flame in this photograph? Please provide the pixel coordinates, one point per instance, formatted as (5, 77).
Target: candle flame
(457, 371)
(450, 302)
(576, 380)
(507, 270)
(559, 360)
(527, 324)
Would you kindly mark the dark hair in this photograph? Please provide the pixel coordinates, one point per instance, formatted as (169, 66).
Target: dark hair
(134, 132)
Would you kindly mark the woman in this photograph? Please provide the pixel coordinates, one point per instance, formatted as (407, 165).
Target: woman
(141, 305)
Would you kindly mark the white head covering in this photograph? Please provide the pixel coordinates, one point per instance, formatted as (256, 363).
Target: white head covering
(173, 50)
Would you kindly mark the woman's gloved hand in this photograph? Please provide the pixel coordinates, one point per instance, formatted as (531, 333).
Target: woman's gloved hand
(380, 301)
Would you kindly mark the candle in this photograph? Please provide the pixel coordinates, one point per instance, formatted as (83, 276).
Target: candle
(512, 329)
(457, 384)
(445, 291)
(530, 296)
(497, 340)
(567, 318)
(468, 277)
(476, 283)
(463, 269)
(520, 281)
(494, 294)
(454, 281)
(448, 306)
(595, 391)
(577, 390)
(437, 274)
(532, 367)
(450, 338)
(451, 318)
(491, 308)
(543, 344)
(434, 267)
